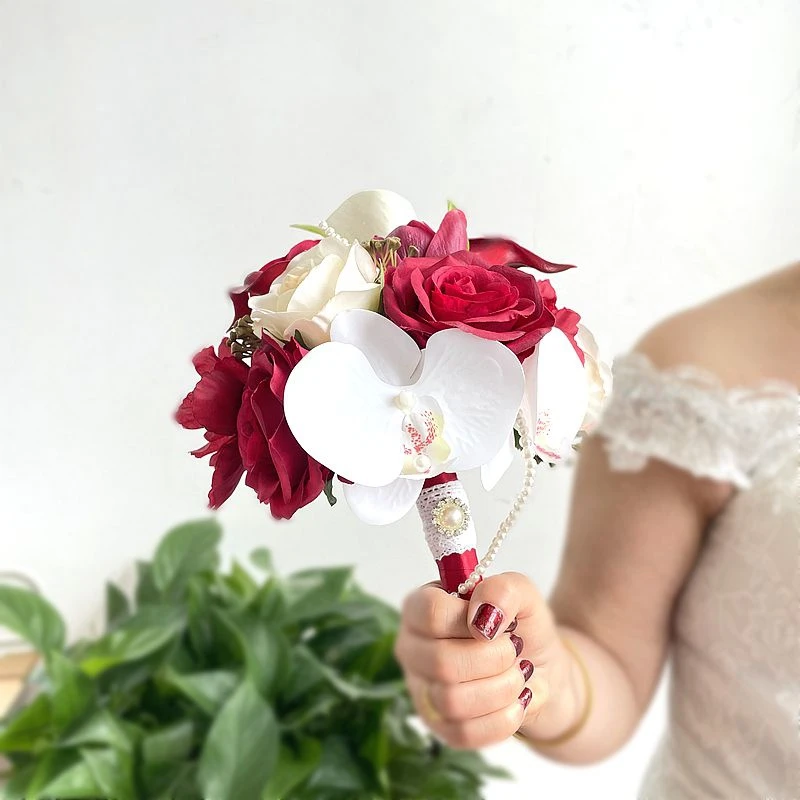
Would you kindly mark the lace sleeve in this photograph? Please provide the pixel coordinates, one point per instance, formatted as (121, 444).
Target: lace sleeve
(684, 416)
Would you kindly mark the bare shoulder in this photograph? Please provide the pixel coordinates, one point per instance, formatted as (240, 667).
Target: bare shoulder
(744, 337)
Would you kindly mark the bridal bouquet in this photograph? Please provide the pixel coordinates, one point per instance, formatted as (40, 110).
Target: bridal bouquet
(382, 359)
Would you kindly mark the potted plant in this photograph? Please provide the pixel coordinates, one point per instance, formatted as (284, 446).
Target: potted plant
(221, 685)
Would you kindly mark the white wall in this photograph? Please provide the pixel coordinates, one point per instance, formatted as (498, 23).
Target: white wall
(153, 153)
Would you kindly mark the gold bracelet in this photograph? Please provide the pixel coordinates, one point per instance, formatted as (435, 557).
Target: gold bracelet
(576, 728)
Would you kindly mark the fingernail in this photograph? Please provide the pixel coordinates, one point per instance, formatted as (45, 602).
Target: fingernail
(488, 620)
(527, 669)
(525, 697)
(517, 642)
(512, 627)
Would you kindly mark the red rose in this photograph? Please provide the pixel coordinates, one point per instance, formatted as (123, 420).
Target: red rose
(260, 281)
(503, 251)
(425, 295)
(214, 404)
(566, 319)
(282, 474)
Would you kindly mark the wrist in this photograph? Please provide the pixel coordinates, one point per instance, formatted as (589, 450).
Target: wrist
(563, 689)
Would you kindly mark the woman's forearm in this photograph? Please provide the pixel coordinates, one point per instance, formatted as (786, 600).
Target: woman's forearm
(590, 681)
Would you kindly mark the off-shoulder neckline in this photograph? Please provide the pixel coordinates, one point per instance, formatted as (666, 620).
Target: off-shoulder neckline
(705, 379)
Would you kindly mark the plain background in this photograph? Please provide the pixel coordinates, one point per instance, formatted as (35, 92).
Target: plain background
(152, 153)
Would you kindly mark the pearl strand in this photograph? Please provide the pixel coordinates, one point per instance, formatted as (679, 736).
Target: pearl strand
(330, 233)
(519, 501)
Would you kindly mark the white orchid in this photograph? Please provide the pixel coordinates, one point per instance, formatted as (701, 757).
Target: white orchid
(333, 276)
(374, 409)
(562, 399)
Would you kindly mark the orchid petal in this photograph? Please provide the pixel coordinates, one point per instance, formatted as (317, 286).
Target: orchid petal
(530, 368)
(479, 386)
(562, 396)
(392, 353)
(344, 416)
(369, 214)
(498, 466)
(382, 505)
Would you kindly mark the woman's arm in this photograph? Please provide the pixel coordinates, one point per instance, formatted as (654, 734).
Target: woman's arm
(633, 538)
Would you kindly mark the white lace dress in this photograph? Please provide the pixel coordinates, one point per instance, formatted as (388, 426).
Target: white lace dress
(734, 726)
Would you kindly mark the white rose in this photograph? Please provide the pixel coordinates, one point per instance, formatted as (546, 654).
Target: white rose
(317, 285)
(598, 374)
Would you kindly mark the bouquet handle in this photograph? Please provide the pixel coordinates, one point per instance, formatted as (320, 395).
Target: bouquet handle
(449, 530)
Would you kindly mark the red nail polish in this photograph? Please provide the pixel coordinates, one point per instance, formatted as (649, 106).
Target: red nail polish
(488, 620)
(527, 669)
(517, 642)
(525, 697)
(513, 626)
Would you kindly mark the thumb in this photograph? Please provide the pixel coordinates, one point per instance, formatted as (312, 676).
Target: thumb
(500, 600)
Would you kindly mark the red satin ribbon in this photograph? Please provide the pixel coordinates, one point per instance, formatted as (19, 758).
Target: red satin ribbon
(455, 568)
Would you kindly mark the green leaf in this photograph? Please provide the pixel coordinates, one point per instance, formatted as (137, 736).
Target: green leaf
(292, 769)
(269, 603)
(241, 749)
(113, 772)
(266, 650)
(315, 229)
(31, 617)
(60, 774)
(148, 631)
(73, 691)
(117, 606)
(312, 592)
(183, 552)
(169, 744)
(328, 489)
(262, 558)
(339, 769)
(30, 729)
(207, 690)
(146, 590)
(17, 786)
(102, 729)
(451, 206)
(241, 583)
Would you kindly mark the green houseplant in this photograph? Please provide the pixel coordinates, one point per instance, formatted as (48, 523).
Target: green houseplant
(219, 685)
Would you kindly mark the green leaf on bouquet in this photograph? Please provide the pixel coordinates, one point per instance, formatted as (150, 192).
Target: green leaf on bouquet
(451, 206)
(315, 229)
(328, 489)
(32, 618)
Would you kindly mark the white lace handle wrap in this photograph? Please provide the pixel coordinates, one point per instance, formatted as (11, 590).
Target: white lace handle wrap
(446, 519)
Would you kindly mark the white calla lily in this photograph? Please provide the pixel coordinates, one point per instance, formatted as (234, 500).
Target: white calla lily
(598, 375)
(562, 396)
(367, 214)
(369, 407)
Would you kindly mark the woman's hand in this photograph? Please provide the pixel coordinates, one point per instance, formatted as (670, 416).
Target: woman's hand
(476, 671)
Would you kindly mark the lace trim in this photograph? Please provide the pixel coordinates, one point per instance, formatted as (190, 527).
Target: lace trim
(686, 416)
(441, 543)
